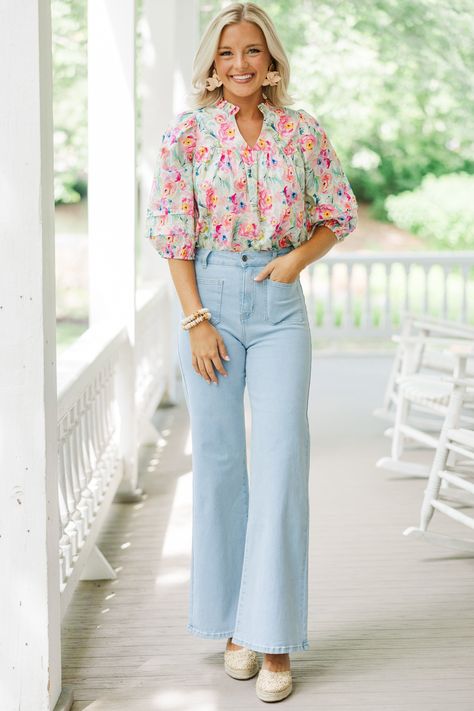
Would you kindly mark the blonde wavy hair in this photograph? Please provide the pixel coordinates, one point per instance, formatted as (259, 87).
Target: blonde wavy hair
(204, 57)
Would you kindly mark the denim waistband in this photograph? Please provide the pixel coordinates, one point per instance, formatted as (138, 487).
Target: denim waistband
(251, 257)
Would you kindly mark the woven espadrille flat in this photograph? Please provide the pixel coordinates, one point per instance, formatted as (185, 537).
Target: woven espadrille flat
(273, 685)
(240, 663)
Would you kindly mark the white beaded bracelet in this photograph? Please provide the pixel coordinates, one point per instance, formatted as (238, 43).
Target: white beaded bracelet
(203, 317)
(192, 316)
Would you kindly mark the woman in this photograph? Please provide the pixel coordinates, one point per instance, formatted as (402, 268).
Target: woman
(247, 192)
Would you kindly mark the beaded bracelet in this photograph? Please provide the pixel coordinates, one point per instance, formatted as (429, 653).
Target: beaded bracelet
(198, 319)
(192, 316)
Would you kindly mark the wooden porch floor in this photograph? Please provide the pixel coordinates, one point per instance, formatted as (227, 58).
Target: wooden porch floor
(391, 620)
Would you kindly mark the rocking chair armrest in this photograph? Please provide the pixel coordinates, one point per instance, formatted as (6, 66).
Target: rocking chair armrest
(461, 349)
(469, 382)
(431, 340)
(430, 379)
(447, 328)
(443, 326)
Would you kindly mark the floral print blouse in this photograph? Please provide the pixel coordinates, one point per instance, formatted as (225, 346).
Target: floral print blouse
(211, 189)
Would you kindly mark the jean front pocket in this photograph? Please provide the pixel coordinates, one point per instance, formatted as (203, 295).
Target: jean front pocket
(285, 302)
(210, 292)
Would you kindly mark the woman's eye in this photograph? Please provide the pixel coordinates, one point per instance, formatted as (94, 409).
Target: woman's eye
(253, 49)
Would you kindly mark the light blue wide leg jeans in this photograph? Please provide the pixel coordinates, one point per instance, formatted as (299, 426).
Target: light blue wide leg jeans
(249, 561)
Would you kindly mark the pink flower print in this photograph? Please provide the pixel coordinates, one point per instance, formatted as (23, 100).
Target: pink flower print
(343, 191)
(300, 218)
(285, 126)
(222, 232)
(187, 205)
(225, 163)
(325, 182)
(247, 156)
(211, 199)
(226, 133)
(228, 220)
(221, 118)
(168, 187)
(290, 173)
(240, 184)
(265, 201)
(324, 160)
(189, 122)
(262, 143)
(188, 143)
(237, 203)
(282, 242)
(248, 230)
(289, 149)
(201, 226)
(201, 154)
(278, 229)
(290, 195)
(308, 142)
(186, 251)
(325, 212)
(272, 158)
(323, 141)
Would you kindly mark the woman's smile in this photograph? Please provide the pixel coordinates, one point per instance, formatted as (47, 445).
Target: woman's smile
(242, 78)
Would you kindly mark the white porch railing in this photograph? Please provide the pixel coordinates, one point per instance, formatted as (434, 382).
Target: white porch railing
(92, 419)
(361, 296)
(62, 470)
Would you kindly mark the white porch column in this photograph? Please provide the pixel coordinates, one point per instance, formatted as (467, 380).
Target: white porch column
(30, 652)
(112, 197)
(170, 37)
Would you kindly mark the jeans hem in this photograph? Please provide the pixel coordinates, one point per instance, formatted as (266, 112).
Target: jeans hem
(282, 649)
(208, 635)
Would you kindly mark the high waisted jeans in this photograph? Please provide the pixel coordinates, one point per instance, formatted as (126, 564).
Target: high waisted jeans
(249, 567)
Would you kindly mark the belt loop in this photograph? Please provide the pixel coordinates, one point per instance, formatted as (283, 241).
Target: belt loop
(203, 255)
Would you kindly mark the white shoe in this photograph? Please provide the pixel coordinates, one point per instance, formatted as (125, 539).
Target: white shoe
(240, 663)
(274, 685)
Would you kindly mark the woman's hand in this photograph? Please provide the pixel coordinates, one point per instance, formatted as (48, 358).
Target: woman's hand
(284, 268)
(207, 348)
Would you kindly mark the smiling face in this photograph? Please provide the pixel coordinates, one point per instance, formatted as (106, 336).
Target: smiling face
(242, 60)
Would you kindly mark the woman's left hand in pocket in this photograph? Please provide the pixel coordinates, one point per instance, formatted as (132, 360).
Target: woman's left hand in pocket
(282, 269)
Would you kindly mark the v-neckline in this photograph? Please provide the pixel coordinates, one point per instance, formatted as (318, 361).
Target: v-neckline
(232, 109)
(251, 148)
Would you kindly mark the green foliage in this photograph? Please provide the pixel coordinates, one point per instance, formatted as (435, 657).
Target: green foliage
(395, 97)
(69, 27)
(441, 210)
(391, 81)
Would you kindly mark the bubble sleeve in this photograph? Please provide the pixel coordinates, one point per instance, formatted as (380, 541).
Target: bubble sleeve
(171, 209)
(329, 199)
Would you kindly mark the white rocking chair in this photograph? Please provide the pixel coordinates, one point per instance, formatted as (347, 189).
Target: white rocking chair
(415, 329)
(430, 395)
(450, 476)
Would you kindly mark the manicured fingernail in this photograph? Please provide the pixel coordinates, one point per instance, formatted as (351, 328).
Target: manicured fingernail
(226, 358)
